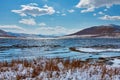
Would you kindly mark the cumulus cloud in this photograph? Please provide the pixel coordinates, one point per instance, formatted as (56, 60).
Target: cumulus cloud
(108, 17)
(71, 11)
(58, 30)
(34, 10)
(42, 24)
(90, 5)
(29, 21)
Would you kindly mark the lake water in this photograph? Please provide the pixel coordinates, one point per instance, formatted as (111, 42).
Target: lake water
(32, 48)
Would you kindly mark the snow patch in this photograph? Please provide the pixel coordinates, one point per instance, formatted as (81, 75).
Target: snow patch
(97, 50)
(116, 62)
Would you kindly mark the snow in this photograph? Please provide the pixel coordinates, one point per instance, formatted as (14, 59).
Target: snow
(60, 66)
(116, 62)
(67, 75)
(89, 72)
(97, 50)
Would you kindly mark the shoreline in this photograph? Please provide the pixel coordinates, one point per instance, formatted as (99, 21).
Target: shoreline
(63, 37)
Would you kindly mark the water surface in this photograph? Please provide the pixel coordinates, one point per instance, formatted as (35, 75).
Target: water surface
(32, 48)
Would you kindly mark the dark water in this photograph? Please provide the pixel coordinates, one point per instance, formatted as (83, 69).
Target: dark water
(32, 48)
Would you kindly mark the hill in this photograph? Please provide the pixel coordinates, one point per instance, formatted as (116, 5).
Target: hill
(110, 30)
(4, 34)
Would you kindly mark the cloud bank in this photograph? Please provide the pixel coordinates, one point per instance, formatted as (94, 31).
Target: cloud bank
(58, 30)
(12, 28)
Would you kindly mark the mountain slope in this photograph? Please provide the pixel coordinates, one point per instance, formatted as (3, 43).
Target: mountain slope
(23, 35)
(4, 34)
(100, 31)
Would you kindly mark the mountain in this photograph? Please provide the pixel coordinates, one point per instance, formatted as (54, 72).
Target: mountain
(102, 31)
(23, 35)
(110, 30)
(4, 34)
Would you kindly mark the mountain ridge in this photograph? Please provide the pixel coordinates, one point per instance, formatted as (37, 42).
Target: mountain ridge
(110, 30)
(4, 34)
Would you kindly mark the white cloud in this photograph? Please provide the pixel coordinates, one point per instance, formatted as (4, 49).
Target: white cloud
(101, 13)
(63, 14)
(33, 4)
(32, 9)
(12, 28)
(105, 9)
(58, 30)
(90, 5)
(29, 21)
(42, 24)
(87, 10)
(57, 12)
(71, 11)
(94, 14)
(107, 17)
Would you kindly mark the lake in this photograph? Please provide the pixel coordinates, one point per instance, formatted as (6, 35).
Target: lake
(32, 48)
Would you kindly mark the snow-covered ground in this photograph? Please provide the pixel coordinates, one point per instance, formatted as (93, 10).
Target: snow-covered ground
(58, 69)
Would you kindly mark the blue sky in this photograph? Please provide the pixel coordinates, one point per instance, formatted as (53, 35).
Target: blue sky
(54, 17)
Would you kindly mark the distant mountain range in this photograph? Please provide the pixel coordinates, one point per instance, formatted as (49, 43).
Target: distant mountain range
(107, 31)
(110, 30)
(23, 35)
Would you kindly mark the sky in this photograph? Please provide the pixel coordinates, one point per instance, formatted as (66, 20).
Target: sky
(56, 17)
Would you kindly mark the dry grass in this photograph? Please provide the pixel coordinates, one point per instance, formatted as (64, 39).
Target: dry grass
(23, 69)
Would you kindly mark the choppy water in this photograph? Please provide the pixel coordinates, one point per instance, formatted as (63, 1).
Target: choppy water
(32, 48)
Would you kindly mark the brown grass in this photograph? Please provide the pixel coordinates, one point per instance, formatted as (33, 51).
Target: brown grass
(49, 65)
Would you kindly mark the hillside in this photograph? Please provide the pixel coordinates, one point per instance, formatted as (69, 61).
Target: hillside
(4, 34)
(99, 31)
